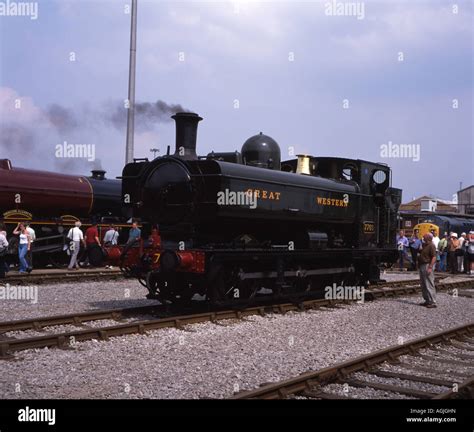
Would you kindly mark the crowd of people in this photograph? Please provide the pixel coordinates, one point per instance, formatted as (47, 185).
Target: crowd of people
(454, 253)
(450, 253)
(89, 239)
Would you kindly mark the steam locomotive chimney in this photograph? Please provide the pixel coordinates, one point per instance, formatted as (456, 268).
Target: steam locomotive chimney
(98, 174)
(186, 133)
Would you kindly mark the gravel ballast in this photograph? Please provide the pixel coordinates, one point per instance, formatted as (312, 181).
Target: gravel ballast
(59, 299)
(362, 393)
(66, 298)
(209, 360)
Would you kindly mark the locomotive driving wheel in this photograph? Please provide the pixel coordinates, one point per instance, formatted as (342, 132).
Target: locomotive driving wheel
(229, 285)
(168, 288)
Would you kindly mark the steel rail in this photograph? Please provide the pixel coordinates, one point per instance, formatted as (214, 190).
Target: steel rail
(63, 277)
(141, 326)
(340, 372)
(38, 323)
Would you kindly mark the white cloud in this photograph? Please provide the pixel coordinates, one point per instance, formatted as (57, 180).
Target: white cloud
(15, 108)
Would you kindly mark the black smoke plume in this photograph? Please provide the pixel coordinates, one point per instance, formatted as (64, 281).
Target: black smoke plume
(77, 126)
(63, 119)
(146, 114)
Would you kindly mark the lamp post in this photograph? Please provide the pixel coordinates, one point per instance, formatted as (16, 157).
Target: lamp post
(131, 85)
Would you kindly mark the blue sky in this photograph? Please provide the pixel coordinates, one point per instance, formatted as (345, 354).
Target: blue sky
(240, 51)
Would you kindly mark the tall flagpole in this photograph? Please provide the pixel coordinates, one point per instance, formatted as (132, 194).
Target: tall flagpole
(131, 85)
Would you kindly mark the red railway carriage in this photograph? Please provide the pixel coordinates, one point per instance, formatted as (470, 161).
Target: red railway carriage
(52, 202)
(44, 193)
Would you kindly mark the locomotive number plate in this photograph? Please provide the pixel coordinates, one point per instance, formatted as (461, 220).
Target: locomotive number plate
(369, 227)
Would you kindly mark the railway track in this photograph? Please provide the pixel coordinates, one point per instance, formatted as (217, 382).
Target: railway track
(39, 323)
(40, 277)
(78, 319)
(395, 371)
(9, 345)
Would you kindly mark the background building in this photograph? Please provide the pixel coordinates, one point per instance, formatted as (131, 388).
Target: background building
(466, 200)
(454, 215)
(429, 204)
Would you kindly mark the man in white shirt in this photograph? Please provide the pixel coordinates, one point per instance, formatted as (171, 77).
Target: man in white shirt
(76, 236)
(29, 254)
(462, 239)
(436, 241)
(3, 250)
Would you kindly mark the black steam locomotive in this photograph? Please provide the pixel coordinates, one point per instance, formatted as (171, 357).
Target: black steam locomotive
(232, 223)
